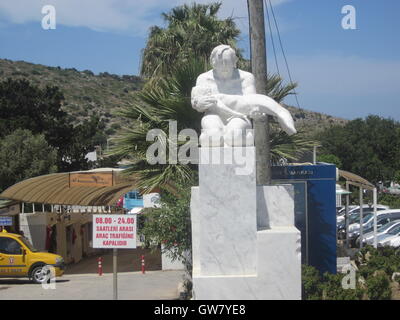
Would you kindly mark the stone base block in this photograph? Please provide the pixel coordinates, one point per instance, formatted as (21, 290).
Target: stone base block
(278, 274)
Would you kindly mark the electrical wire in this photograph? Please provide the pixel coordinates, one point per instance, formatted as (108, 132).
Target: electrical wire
(283, 51)
(272, 38)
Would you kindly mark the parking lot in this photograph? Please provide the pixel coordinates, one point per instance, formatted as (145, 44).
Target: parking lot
(153, 285)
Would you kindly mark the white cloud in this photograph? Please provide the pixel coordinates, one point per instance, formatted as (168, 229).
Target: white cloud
(127, 16)
(102, 15)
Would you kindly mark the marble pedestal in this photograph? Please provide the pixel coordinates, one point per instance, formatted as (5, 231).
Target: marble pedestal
(245, 245)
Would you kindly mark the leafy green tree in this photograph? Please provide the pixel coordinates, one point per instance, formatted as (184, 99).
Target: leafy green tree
(166, 99)
(287, 147)
(396, 177)
(327, 286)
(311, 283)
(368, 147)
(25, 106)
(191, 31)
(330, 158)
(379, 287)
(386, 259)
(24, 155)
(83, 139)
(333, 290)
(391, 200)
(170, 224)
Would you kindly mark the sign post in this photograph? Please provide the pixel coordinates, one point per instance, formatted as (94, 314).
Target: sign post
(115, 274)
(112, 231)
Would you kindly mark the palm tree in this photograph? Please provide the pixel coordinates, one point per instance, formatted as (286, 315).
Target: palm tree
(164, 100)
(168, 99)
(191, 31)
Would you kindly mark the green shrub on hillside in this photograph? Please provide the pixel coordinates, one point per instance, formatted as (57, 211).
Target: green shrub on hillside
(378, 287)
(327, 287)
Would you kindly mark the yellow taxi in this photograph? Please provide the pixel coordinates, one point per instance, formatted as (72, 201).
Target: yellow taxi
(18, 258)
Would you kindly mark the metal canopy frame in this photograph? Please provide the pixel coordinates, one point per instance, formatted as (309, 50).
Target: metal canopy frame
(362, 184)
(55, 189)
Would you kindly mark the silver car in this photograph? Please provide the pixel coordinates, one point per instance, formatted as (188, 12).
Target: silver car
(386, 238)
(368, 219)
(368, 238)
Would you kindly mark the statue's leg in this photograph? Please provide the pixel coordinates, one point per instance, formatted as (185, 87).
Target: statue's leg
(269, 106)
(238, 133)
(212, 131)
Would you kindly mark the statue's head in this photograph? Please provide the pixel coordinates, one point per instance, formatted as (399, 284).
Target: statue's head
(223, 60)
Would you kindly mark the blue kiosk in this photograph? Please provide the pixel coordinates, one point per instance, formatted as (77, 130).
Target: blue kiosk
(315, 210)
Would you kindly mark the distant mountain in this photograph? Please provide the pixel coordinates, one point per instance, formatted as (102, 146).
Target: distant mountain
(103, 94)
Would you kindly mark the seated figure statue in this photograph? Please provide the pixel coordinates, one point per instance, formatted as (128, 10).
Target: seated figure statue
(228, 97)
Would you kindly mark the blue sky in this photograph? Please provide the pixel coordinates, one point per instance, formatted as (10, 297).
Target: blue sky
(345, 73)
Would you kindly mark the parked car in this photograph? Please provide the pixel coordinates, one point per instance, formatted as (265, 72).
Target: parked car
(395, 242)
(382, 230)
(18, 258)
(368, 222)
(354, 218)
(368, 219)
(356, 211)
(386, 240)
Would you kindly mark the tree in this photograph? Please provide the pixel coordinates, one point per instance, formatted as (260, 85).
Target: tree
(170, 224)
(396, 177)
(368, 147)
(83, 139)
(155, 106)
(330, 158)
(24, 155)
(191, 31)
(25, 106)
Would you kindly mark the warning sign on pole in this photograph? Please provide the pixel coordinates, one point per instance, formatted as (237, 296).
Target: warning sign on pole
(113, 231)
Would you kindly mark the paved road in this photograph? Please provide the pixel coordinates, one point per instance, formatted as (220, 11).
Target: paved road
(153, 285)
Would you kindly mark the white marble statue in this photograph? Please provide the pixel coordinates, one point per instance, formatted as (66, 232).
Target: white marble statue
(227, 96)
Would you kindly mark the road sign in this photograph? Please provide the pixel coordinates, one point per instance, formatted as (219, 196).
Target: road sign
(112, 231)
(6, 221)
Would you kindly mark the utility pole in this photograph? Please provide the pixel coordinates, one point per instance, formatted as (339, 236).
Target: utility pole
(259, 69)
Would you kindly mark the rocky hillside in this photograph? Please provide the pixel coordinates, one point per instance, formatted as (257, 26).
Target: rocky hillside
(313, 122)
(87, 94)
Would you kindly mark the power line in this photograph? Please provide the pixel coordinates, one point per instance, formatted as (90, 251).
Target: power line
(272, 38)
(283, 51)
